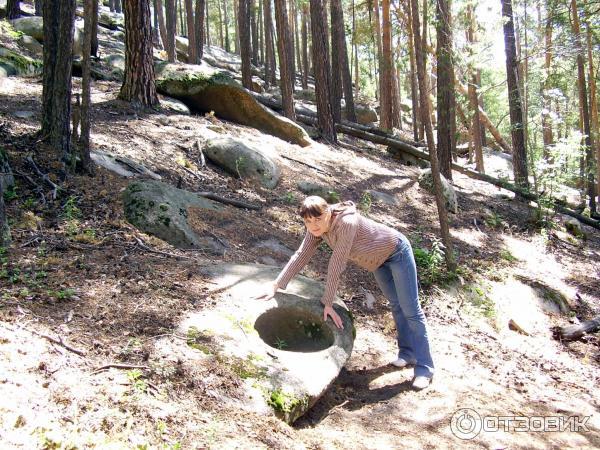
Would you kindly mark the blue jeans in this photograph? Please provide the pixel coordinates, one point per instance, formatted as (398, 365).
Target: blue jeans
(397, 278)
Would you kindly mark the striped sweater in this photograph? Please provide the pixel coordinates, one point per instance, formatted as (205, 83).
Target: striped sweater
(351, 237)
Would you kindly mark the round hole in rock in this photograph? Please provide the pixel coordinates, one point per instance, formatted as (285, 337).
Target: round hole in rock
(293, 330)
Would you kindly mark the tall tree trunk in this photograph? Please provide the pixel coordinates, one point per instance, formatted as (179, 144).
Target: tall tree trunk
(118, 6)
(283, 48)
(38, 7)
(13, 9)
(171, 26)
(413, 76)
(337, 39)
(87, 165)
(245, 45)
(261, 34)
(252, 10)
(191, 26)
(585, 112)
(514, 98)
(446, 98)
(94, 15)
(200, 17)
(182, 28)
(385, 61)
(58, 19)
(271, 64)
(305, 46)
(595, 125)
(236, 42)
(472, 90)
(289, 31)
(433, 157)
(226, 22)
(162, 25)
(221, 39)
(297, 38)
(547, 102)
(377, 38)
(139, 86)
(321, 68)
(355, 52)
(345, 65)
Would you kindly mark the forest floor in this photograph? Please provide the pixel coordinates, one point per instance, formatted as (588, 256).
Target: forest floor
(79, 274)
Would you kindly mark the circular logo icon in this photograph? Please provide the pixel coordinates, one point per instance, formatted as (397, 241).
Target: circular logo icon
(465, 423)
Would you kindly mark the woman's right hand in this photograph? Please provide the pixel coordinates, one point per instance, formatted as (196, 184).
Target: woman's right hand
(269, 292)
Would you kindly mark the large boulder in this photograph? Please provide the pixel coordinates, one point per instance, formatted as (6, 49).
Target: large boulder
(32, 45)
(282, 353)
(312, 188)
(365, 115)
(34, 26)
(451, 200)
(12, 63)
(204, 88)
(244, 160)
(161, 210)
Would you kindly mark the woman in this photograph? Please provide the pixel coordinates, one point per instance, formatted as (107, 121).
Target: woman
(379, 249)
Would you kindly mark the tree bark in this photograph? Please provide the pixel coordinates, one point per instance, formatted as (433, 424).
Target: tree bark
(305, 46)
(226, 24)
(377, 39)
(171, 26)
(38, 7)
(139, 86)
(87, 165)
(245, 45)
(199, 21)
(413, 76)
(595, 125)
(253, 32)
(270, 63)
(321, 68)
(385, 67)
(583, 105)
(283, 48)
(13, 9)
(473, 96)
(337, 37)
(191, 29)
(547, 105)
(514, 98)
(446, 99)
(433, 157)
(58, 18)
(162, 25)
(118, 6)
(94, 13)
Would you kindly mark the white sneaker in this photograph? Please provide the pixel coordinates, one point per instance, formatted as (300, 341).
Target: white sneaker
(400, 363)
(420, 383)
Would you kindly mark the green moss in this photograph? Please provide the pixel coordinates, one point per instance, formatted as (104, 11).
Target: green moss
(198, 340)
(23, 64)
(247, 369)
(163, 207)
(285, 402)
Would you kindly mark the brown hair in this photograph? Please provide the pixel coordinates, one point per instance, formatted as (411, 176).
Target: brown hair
(313, 206)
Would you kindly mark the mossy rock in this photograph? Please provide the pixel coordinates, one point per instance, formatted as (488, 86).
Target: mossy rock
(326, 192)
(206, 89)
(244, 160)
(12, 63)
(160, 209)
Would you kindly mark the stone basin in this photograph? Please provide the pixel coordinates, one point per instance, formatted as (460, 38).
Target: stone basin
(283, 351)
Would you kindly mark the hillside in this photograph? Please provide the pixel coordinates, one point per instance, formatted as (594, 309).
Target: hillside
(82, 289)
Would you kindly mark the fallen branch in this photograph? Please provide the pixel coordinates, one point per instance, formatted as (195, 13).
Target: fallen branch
(318, 169)
(227, 201)
(159, 252)
(118, 366)
(56, 341)
(574, 332)
(43, 176)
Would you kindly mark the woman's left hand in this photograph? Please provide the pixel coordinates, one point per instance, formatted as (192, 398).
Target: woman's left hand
(337, 320)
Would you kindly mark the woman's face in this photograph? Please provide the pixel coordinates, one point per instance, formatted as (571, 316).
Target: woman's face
(318, 225)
